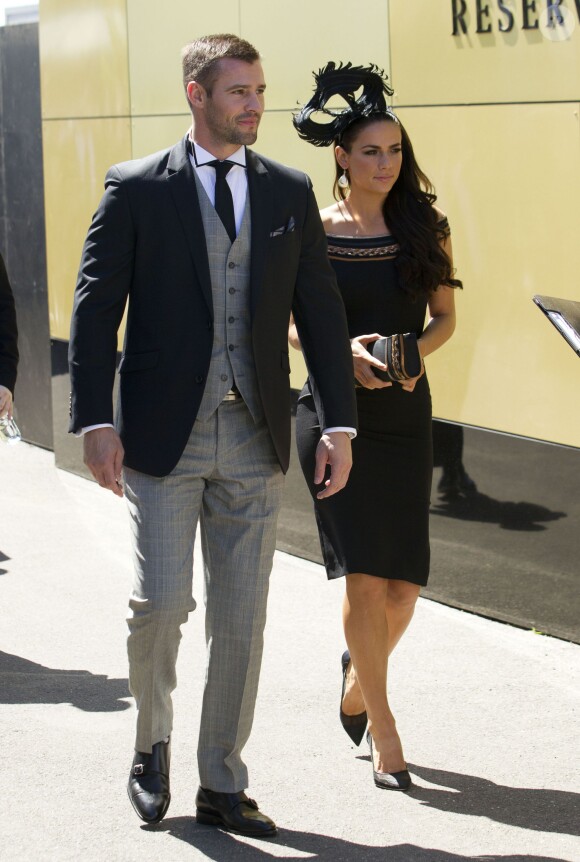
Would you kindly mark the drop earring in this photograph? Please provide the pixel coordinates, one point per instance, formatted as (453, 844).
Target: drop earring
(343, 180)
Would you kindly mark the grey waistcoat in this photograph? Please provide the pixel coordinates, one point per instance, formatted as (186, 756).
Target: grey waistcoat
(232, 356)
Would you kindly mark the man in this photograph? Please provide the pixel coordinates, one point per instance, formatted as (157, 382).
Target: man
(203, 418)
(8, 343)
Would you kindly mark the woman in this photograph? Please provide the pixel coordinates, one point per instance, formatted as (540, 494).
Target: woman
(391, 252)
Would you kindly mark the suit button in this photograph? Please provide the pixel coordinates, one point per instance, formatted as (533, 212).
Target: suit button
(198, 378)
(224, 377)
(231, 346)
(231, 265)
(232, 290)
(231, 319)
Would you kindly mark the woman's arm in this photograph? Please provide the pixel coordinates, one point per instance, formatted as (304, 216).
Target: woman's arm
(441, 321)
(441, 315)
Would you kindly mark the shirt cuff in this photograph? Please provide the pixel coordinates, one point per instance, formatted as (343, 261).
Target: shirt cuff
(350, 431)
(83, 431)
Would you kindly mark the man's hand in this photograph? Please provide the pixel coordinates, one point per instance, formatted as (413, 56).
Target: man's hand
(104, 457)
(335, 450)
(364, 362)
(5, 402)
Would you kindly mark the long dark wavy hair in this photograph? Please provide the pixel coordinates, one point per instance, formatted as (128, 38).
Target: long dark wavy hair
(422, 263)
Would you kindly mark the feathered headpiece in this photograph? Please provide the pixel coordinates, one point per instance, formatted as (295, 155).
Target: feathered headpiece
(344, 81)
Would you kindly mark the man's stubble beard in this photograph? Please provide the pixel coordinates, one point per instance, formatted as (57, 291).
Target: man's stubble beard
(242, 138)
(226, 134)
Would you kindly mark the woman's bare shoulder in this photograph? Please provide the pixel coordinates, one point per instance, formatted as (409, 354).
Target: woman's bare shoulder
(440, 214)
(331, 218)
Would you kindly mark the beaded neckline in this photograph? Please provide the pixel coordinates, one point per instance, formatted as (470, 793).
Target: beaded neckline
(384, 246)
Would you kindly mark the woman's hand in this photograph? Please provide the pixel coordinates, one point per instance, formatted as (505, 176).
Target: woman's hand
(363, 363)
(409, 385)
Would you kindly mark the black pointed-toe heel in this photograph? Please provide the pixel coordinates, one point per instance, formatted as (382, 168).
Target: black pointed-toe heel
(355, 725)
(389, 780)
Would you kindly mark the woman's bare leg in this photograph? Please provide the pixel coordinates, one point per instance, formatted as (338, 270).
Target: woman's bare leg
(376, 613)
(401, 600)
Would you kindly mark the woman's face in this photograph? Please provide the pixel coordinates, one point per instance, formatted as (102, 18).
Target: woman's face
(375, 158)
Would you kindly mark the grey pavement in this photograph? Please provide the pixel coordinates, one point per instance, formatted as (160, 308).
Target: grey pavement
(489, 714)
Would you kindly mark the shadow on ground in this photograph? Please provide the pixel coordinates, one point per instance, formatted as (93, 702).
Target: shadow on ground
(24, 681)
(218, 845)
(538, 809)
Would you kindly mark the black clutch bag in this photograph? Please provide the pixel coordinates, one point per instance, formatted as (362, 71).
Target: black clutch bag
(400, 353)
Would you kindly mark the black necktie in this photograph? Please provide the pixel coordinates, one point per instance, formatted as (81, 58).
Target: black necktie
(224, 204)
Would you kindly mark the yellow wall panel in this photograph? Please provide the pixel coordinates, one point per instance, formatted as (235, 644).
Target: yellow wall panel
(152, 134)
(290, 50)
(83, 58)
(298, 38)
(77, 155)
(431, 66)
(508, 178)
(157, 33)
(278, 140)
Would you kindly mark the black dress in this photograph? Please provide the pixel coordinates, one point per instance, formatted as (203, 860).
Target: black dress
(379, 523)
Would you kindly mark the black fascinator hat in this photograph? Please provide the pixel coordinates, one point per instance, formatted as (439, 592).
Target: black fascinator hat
(344, 81)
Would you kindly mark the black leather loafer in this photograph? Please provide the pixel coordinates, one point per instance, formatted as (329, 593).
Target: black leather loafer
(234, 812)
(355, 725)
(148, 786)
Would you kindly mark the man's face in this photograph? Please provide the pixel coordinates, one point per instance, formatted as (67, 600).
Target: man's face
(233, 110)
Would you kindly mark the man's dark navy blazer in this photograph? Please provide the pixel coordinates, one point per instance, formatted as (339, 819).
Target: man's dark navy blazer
(147, 244)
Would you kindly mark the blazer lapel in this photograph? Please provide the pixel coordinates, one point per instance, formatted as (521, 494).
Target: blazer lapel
(260, 194)
(184, 192)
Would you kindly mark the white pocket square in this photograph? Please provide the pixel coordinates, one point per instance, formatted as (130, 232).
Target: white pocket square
(280, 231)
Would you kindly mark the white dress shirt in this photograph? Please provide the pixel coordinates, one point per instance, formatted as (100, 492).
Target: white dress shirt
(236, 178)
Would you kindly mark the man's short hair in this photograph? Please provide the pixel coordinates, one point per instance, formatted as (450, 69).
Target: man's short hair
(201, 58)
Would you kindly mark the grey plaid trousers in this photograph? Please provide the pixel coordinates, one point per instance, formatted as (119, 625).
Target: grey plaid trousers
(230, 480)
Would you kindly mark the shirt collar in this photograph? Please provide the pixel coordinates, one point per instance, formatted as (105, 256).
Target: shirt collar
(201, 157)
